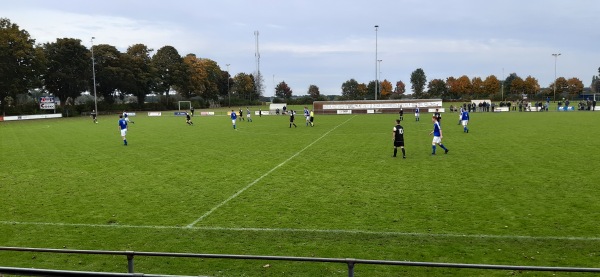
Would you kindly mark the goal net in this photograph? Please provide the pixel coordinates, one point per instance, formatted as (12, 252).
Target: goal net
(186, 105)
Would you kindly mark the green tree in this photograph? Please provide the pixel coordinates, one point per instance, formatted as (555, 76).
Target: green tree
(418, 81)
(68, 69)
(313, 92)
(109, 73)
(507, 84)
(224, 84)
(171, 72)
(139, 71)
(259, 86)
(437, 88)
(243, 84)
(350, 89)
(595, 86)
(20, 62)
(282, 90)
(370, 94)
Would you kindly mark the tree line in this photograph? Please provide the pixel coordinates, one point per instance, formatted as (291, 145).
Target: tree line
(66, 69)
(465, 88)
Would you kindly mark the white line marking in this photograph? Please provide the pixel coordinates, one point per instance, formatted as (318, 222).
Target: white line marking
(263, 176)
(291, 230)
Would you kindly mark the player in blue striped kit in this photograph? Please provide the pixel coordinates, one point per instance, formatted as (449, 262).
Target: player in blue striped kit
(465, 120)
(233, 118)
(437, 136)
(123, 129)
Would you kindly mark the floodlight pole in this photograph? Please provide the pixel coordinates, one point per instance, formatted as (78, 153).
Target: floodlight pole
(94, 78)
(555, 58)
(228, 93)
(503, 79)
(379, 71)
(376, 61)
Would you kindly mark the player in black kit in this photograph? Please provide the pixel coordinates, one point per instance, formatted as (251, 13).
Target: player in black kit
(188, 119)
(292, 116)
(398, 138)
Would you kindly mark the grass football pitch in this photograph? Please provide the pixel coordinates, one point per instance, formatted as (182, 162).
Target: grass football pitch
(518, 189)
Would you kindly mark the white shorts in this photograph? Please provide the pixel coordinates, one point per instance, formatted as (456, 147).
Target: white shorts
(233, 121)
(123, 132)
(248, 115)
(307, 118)
(127, 119)
(436, 140)
(416, 114)
(465, 122)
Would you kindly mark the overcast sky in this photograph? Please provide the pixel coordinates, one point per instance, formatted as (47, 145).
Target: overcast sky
(328, 42)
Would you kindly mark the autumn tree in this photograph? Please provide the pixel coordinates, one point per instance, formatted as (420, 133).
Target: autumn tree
(491, 86)
(386, 89)
(211, 73)
(450, 87)
(574, 87)
(418, 81)
(399, 90)
(561, 84)
(197, 75)
(517, 86)
(69, 68)
(361, 91)
(531, 85)
(477, 88)
(282, 90)
(313, 92)
(460, 88)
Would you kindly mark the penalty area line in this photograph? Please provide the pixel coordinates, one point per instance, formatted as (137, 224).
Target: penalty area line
(292, 230)
(263, 176)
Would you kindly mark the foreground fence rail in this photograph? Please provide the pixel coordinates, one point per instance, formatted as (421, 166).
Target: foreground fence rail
(348, 261)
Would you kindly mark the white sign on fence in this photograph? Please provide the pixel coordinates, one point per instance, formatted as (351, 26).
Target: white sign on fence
(47, 106)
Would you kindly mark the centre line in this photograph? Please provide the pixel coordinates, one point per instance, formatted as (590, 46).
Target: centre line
(263, 176)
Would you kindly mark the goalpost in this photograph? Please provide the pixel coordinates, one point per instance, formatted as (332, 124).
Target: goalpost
(189, 104)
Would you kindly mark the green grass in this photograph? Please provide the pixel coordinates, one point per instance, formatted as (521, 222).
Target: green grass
(519, 189)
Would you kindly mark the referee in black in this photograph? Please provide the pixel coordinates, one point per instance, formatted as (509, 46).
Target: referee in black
(398, 138)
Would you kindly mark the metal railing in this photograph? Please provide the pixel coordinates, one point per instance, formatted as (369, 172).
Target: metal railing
(350, 262)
